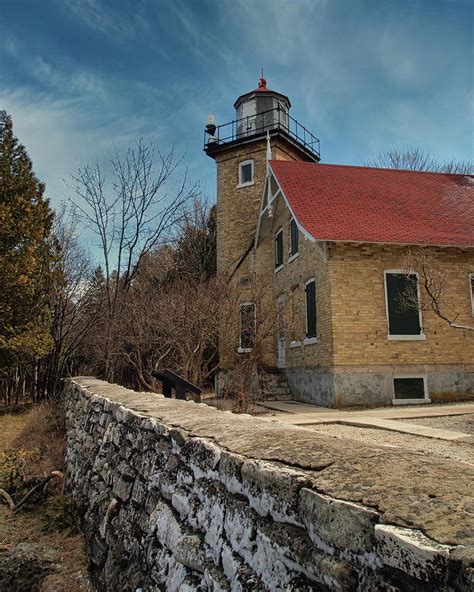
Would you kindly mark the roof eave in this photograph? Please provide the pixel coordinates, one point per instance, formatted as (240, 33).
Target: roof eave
(393, 243)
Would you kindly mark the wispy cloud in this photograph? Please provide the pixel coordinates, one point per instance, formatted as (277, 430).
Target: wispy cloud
(114, 19)
(364, 76)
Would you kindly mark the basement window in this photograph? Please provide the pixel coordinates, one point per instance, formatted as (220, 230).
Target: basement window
(246, 173)
(310, 292)
(248, 322)
(293, 239)
(403, 306)
(410, 390)
(279, 250)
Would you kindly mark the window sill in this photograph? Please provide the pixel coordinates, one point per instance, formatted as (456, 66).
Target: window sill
(410, 401)
(293, 257)
(310, 340)
(279, 268)
(421, 337)
(294, 344)
(244, 350)
(248, 184)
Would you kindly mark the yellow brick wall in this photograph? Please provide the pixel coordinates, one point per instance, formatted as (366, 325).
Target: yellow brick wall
(237, 215)
(359, 312)
(290, 282)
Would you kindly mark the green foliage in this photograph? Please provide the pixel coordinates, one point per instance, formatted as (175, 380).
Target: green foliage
(13, 465)
(27, 254)
(59, 514)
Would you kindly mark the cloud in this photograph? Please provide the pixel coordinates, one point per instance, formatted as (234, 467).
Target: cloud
(126, 21)
(361, 76)
(62, 133)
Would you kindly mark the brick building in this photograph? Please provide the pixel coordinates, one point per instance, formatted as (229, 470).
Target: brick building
(329, 243)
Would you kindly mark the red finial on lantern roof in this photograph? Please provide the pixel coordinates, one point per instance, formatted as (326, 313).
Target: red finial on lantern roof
(262, 83)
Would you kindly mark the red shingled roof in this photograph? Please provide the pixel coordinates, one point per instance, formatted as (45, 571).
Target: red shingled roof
(362, 204)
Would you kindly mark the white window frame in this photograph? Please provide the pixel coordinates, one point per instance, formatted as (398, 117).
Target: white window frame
(247, 183)
(310, 340)
(471, 291)
(280, 267)
(390, 337)
(296, 343)
(423, 401)
(240, 349)
(292, 257)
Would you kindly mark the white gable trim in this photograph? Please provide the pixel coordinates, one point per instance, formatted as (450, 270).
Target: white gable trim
(265, 208)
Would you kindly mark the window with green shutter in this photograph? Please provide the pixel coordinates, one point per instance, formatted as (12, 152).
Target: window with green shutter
(293, 237)
(310, 290)
(279, 249)
(247, 326)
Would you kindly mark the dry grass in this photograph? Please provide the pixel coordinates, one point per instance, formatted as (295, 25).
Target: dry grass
(31, 446)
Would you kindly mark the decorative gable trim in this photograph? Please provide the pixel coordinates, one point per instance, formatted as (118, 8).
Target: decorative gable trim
(267, 205)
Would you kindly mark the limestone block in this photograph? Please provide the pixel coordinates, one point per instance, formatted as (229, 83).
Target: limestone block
(121, 414)
(186, 548)
(126, 470)
(190, 552)
(230, 471)
(178, 436)
(184, 475)
(337, 523)
(200, 454)
(147, 465)
(122, 488)
(97, 551)
(180, 500)
(152, 499)
(461, 569)
(104, 419)
(273, 490)
(292, 547)
(412, 552)
(231, 564)
(214, 580)
(139, 491)
(240, 527)
(210, 513)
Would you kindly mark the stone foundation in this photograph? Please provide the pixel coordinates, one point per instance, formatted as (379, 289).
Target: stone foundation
(176, 495)
(373, 386)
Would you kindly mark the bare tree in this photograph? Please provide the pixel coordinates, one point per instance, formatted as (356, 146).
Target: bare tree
(256, 323)
(414, 159)
(434, 281)
(196, 244)
(75, 308)
(171, 320)
(130, 216)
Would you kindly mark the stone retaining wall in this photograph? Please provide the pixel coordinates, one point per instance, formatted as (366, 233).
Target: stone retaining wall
(178, 496)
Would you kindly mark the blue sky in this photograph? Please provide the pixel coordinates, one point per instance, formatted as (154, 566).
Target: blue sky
(82, 77)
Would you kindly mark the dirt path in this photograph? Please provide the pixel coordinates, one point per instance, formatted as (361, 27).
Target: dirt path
(40, 547)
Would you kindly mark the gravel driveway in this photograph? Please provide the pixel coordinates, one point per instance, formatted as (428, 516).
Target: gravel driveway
(454, 450)
(457, 423)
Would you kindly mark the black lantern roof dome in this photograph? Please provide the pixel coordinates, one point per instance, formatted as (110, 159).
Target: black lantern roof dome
(262, 88)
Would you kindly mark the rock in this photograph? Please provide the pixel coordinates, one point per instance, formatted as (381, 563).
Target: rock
(23, 568)
(412, 552)
(338, 523)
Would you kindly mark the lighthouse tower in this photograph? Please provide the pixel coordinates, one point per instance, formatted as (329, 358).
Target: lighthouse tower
(239, 149)
(263, 128)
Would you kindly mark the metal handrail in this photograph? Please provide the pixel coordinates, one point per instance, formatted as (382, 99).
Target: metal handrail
(246, 127)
